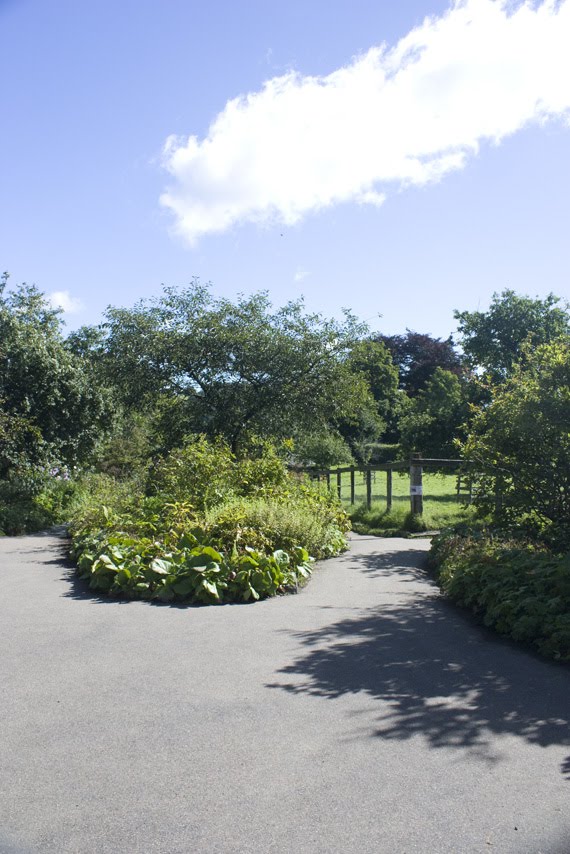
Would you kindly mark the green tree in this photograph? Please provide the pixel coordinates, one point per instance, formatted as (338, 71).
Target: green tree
(231, 369)
(50, 406)
(494, 340)
(520, 444)
(373, 361)
(321, 450)
(416, 355)
(435, 417)
(375, 381)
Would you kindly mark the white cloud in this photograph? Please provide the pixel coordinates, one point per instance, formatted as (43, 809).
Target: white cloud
(300, 275)
(392, 117)
(64, 300)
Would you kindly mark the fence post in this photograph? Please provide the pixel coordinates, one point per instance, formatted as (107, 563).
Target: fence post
(368, 488)
(416, 486)
(352, 485)
(339, 484)
(388, 489)
(328, 474)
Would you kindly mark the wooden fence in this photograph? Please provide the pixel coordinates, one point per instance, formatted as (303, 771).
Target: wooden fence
(416, 466)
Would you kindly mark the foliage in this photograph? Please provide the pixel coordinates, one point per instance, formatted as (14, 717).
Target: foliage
(99, 497)
(34, 501)
(384, 452)
(51, 409)
(322, 450)
(435, 417)
(231, 369)
(516, 587)
(361, 428)
(19, 511)
(128, 446)
(372, 360)
(520, 444)
(200, 472)
(218, 528)
(178, 567)
(303, 515)
(494, 340)
(205, 472)
(417, 356)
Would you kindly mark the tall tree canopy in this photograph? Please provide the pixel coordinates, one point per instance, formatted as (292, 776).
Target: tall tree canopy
(494, 339)
(520, 443)
(229, 368)
(435, 416)
(50, 408)
(417, 355)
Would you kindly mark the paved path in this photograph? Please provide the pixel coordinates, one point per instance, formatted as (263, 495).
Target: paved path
(363, 715)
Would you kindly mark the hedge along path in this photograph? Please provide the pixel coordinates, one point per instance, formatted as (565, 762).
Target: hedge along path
(364, 714)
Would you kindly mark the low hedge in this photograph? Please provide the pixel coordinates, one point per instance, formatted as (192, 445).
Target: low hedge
(204, 527)
(518, 588)
(184, 569)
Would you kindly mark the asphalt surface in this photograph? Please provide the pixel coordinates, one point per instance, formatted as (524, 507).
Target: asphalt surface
(364, 714)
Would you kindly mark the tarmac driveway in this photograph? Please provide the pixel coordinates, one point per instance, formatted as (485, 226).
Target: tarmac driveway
(363, 715)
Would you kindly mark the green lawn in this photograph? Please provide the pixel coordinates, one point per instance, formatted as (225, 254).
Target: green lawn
(441, 506)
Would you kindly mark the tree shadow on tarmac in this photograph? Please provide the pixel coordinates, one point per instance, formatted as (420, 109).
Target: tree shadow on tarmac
(437, 674)
(401, 564)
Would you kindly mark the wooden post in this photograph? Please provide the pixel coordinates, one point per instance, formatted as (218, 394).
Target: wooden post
(339, 484)
(416, 485)
(368, 488)
(352, 485)
(328, 479)
(388, 490)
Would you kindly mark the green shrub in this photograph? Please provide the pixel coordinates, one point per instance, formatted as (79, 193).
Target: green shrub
(98, 496)
(200, 472)
(519, 446)
(517, 587)
(322, 450)
(184, 569)
(258, 527)
(20, 513)
(34, 501)
(381, 453)
(261, 471)
(267, 524)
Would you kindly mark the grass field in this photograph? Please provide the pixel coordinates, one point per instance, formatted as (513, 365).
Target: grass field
(441, 506)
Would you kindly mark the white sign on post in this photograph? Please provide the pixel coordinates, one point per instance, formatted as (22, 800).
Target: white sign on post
(416, 490)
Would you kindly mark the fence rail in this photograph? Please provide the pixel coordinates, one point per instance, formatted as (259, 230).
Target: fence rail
(416, 465)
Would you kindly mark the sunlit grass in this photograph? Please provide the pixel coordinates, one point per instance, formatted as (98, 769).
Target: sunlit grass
(441, 507)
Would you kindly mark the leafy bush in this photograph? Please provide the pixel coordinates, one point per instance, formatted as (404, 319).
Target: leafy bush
(322, 450)
(20, 512)
(214, 529)
(520, 447)
(98, 496)
(33, 499)
(170, 565)
(384, 453)
(520, 589)
(200, 472)
(191, 573)
(206, 473)
(277, 523)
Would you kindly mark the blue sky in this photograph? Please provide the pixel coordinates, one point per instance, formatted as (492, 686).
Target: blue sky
(279, 146)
